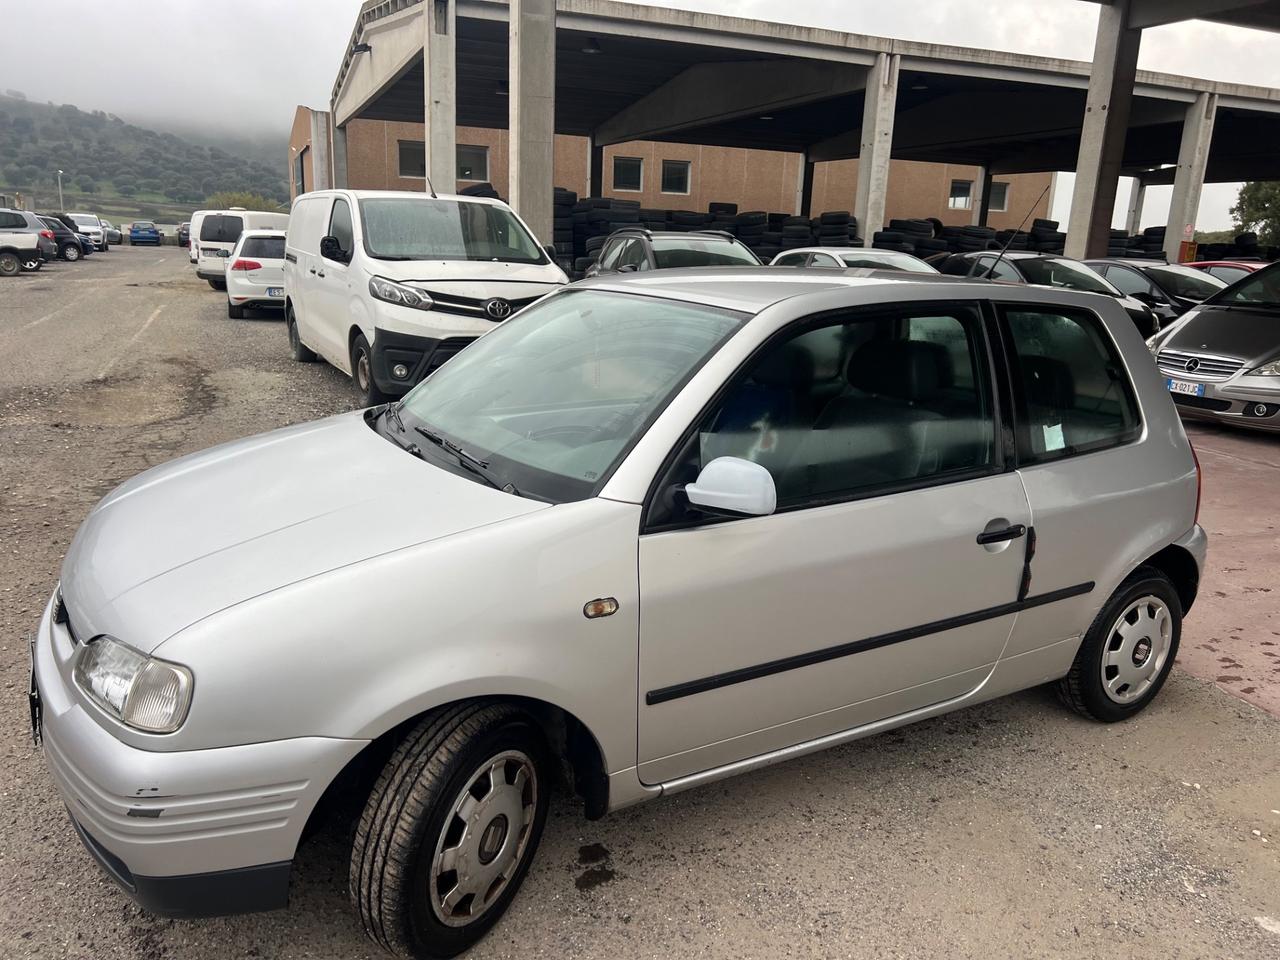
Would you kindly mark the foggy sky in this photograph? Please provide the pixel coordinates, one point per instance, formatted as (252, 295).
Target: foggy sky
(245, 64)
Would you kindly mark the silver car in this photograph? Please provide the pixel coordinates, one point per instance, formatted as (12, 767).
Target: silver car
(1221, 359)
(652, 532)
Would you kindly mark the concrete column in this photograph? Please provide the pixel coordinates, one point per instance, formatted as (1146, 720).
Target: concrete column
(339, 151)
(440, 93)
(1106, 120)
(532, 105)
(595, 169)
(1137, 197)
(320, 161)
(1188, 179)
(876, 143)
(804, 187)
(982, 197)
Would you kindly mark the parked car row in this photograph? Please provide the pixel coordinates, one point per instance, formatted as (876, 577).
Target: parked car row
(58, 236)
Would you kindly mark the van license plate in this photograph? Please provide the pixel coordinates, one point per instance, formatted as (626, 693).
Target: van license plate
(1181, 386)
(275, 291)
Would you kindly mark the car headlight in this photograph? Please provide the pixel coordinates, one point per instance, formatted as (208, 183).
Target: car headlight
(141, 692)
(1271, 369)
(403, 296)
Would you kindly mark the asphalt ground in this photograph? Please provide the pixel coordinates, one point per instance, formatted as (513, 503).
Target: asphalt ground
(1011, 829)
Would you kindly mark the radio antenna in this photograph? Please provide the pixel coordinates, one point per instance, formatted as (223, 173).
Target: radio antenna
(1005, 248)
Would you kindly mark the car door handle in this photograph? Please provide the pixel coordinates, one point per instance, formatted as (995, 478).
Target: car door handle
(313, 270)
(319, 273)
(1011, 532)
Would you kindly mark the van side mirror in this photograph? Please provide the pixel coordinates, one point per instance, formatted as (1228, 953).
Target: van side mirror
(550, 248)
(733, 487)
(331, 249)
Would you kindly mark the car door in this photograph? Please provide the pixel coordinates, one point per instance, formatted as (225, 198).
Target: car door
(330, 288)
(1136, 284)
(885, 580)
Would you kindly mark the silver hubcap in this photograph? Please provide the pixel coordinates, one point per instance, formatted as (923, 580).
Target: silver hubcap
(1136, 649)
(484, 839)
(362, 371)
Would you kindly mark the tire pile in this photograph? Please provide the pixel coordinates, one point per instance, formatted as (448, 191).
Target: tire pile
(1245, 246)
(923, 237)
(562, 204)
(1147, 245)
(594, 218)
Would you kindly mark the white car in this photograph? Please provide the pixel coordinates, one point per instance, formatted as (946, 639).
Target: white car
(193, 234)
(255, 272)
(91, 227)
(848, 258)
(219, 231)
(387, 286)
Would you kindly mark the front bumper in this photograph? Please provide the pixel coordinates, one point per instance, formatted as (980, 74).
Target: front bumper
(186, 833)
(420, 356)
(1241, 401)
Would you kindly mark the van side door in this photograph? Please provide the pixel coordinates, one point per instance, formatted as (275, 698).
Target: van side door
(330, 285)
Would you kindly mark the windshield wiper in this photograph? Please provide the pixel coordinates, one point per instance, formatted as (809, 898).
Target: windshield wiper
(393, 415)
(466, 459)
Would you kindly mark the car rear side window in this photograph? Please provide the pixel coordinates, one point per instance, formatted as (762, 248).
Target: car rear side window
(1073, 393)
(265, 248)
(10, 220)
(216, 228)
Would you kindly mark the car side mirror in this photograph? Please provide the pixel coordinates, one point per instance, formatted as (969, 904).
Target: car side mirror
(550, 248)
(628, 268)
(734, 487)
(331, 249)
(1150, 299)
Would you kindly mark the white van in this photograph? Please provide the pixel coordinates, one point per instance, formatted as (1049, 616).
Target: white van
(193, 234)
(219, 231)
(387, 286)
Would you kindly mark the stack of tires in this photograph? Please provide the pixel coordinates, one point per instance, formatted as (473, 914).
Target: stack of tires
(562, 204)
(652, 219)
(686, 221)
(1118, 243)
(1046, 237)
(796, 232)
(750, 228)
(722, 216)
(480, 190)
(594, 218)
(919, 235)
(968, 239)
(834, 228)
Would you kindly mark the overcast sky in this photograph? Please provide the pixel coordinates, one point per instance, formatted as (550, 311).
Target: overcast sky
(245, 64)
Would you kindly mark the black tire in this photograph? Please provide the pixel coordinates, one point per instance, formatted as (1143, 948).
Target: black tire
(234, 311)
(10, 264)
(393, 881)
(299, 350)
(32, 265)
(1083, 688)
(218, 284)
(362, 374)
(71, 252)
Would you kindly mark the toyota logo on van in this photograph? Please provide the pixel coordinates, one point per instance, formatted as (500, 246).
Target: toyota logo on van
(497, 308)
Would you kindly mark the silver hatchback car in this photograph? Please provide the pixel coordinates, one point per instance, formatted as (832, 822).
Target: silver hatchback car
(654, 531)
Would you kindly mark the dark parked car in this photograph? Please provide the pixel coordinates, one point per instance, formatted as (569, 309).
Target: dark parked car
(71, 245)
(24, 221)
(144, 231)
(1169, 289)
(1043, 270)
(633, 249)
(112, 232)
(184, 234)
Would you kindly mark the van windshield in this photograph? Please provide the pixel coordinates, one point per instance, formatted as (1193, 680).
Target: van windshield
(404, 228)
(219, 228)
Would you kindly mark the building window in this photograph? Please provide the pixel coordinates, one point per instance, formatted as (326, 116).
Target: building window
(675, 176)
(300, 170)
(628, 173)
(473, 162)
(413, 159)
(999, 196)
(961, 195)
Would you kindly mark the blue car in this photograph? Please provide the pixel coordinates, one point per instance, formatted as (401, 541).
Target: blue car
(87, 246)
(144, 231)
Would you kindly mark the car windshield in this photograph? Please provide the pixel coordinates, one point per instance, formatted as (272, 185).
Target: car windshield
(404, 228)
(1260, 289)
(690, 252)
(1185, 282)
(264, 248)
(889, 259)
(1055, 272)
(554, 398)
(85, 220)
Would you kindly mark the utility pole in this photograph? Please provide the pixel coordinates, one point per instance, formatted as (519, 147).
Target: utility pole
(61, 206)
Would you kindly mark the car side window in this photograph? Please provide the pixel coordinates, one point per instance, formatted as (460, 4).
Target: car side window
(858, 407)
(792, 260)
(609, 255)
(1228, 274)
(633, 255)
(1129, 281)
(9, 220)
(823, 260)
(1073, 393)
(340, 225)
(1004, 270)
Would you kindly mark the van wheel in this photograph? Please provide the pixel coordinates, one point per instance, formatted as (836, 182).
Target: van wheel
(10, 264)
(71, 252)
(235, 311)
(362, 373)
(297, 348)
(1128, 652)
(218, 284)
(449, 830)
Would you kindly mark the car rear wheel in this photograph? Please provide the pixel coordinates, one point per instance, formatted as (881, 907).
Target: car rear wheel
(10, 264)
(449, 830)
(32, 264)
(235, 311)
(1128, 652)
(300, 351)
(71, 252)
(218, 284)
(362, 373)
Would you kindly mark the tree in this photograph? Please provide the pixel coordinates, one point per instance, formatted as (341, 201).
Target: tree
(1257, 209)
(240, 198)
(126, 188)
(87, 183)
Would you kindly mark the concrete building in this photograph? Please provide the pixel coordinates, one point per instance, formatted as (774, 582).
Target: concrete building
(390, 155)
(619, 74)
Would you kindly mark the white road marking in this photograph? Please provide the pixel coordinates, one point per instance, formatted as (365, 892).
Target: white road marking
(162, 260)
(50, 316)
(132, 340)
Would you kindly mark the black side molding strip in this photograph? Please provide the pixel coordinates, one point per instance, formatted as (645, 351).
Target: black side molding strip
(690, 687)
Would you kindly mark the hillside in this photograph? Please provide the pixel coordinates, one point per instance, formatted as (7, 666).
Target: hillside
(115, 166)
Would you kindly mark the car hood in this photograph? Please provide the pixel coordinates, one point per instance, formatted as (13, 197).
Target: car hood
(194, 536)
(1247, 334)
(473, 277)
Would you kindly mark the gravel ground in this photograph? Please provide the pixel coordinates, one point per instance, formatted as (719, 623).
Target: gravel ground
(1011, 829)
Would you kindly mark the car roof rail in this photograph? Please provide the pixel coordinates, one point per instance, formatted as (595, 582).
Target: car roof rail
(642, 231)
(715, 233)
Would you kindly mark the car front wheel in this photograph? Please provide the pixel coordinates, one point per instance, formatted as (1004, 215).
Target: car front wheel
(449, 830)
(71, 252)
(362, 373)
(1128, 652)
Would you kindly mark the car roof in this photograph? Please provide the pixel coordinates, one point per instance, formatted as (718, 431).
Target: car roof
(851, 251)
(753, 289)
(1243, 264)
(1136, 262)
(400, 195)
